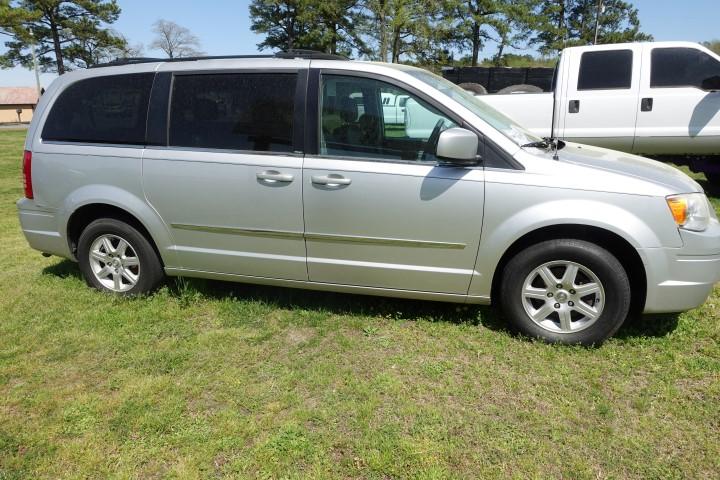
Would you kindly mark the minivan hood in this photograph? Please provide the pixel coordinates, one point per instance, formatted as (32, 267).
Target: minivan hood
(628, 164)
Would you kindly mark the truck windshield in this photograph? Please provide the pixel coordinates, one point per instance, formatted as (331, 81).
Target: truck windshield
(500, 122)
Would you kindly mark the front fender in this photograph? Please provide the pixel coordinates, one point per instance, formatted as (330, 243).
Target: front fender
(642, 221)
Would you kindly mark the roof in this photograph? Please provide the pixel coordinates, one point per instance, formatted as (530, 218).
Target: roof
(18, 96)
(289, 54)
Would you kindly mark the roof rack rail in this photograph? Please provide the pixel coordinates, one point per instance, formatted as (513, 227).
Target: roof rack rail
(309, 54)
(293, 53)
(134, 60)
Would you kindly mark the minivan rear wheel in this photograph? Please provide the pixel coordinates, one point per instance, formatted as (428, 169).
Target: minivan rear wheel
(565, 291)
(115, 257)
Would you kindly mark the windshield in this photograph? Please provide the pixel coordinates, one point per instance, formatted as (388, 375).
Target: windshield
(503, 124)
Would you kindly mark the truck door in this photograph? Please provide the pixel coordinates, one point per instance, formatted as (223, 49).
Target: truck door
(679, 111)
(600, 98)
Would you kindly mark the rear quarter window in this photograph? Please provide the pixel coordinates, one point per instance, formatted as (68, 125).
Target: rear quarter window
(108, 109)
(681, 67)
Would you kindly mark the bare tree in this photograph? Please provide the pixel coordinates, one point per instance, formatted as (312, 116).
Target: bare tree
(175, 40)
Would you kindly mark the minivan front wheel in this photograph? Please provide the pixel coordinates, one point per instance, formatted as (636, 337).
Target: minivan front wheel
(115, 257)
(566, 291)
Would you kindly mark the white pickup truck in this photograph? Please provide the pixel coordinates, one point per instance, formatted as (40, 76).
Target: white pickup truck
(658, 99)
(393, 108)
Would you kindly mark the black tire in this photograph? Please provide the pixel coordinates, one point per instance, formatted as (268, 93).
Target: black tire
(149, 269)
(593, 258)
(523, 88)
(474, 88)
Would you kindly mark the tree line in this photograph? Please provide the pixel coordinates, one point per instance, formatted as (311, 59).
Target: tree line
(79, 34)
(441, 32)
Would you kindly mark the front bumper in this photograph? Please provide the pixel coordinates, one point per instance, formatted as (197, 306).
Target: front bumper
(680, 279)
(41, 229)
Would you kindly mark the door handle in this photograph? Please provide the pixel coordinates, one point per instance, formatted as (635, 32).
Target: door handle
(331, 180)
(273, 176)
(646, 105)
(574, 106)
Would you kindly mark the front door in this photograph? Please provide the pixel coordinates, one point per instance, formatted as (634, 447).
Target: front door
(379, 211)
(599, 103)
(229, 185)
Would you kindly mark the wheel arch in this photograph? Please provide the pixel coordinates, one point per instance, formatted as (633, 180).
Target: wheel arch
(620, 247)
(86, 214)
(91, 202)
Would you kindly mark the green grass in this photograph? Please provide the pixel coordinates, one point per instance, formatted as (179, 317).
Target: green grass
(212, 380)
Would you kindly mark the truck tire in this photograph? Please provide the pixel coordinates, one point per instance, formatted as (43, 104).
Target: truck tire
(565, 291)
(523, 88)
(474, 88)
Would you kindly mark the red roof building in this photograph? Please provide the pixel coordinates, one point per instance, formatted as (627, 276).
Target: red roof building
(17, 104)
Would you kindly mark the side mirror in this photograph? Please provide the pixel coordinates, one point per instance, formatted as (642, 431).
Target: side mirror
(457, 146)
(711, 84)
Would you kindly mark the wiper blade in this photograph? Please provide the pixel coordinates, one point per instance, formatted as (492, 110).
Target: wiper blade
(546, 143)
(541, 144)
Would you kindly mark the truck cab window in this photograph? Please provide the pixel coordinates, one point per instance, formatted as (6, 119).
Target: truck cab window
(682, 67)
(605, 70)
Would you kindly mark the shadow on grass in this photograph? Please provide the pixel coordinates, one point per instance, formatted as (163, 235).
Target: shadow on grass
(330, 302)
(364, 305)
(656, 325)
(341, 303)
(63, 269)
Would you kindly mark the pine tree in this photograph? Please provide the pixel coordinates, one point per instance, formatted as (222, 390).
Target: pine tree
(61, 31)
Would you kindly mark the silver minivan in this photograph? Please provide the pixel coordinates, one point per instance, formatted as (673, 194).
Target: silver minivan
(285, 171)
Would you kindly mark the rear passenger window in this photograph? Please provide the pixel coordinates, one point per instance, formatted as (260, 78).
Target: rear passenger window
(110, 109)
(682, 67)
(245, 111)
(606, 70)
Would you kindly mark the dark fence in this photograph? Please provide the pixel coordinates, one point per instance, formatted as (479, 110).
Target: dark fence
(497, 78)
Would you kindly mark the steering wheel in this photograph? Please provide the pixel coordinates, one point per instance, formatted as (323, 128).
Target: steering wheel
(431, 144)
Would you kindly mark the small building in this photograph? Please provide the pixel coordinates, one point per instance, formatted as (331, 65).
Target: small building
(17, 104)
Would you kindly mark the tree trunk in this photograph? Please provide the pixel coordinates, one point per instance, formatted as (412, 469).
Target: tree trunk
(291, 36)
(56, 43)
(475, 43)
(382, 30)
(396, 45)
(498, 57)
(334, 39)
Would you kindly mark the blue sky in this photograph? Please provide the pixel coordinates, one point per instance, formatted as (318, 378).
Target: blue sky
(223, 26)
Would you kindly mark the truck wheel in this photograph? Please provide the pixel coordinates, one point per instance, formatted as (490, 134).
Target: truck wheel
(115, 257)
(565, 291)
(520, 89)
(474, 88)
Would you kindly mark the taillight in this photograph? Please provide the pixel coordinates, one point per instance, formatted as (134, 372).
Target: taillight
(27, 174)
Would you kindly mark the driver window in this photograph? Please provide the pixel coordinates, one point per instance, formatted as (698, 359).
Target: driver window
(362, 117)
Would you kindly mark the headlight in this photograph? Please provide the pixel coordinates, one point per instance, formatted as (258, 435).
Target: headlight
(691, 211)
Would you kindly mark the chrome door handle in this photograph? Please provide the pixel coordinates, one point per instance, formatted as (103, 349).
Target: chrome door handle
(330, 180)
(273, 176)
